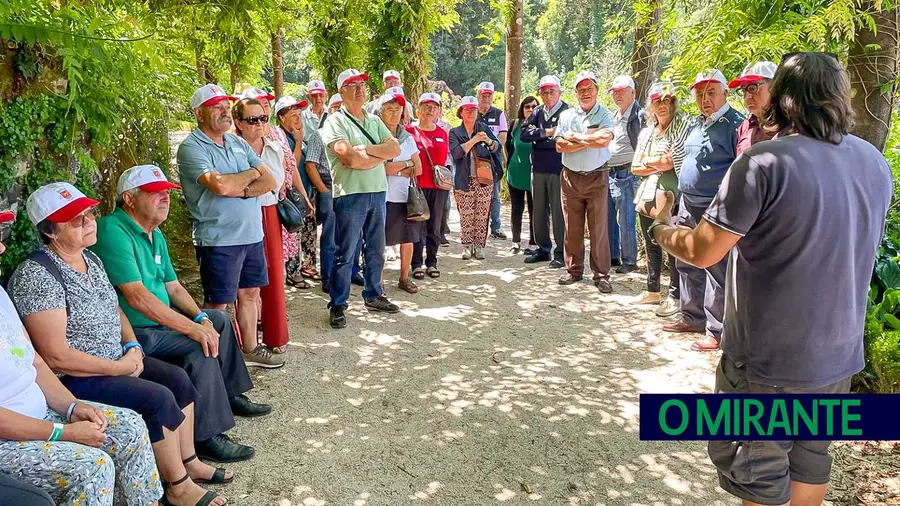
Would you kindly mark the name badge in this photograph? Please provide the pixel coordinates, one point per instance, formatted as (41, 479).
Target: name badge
(439, 139)
(158, 259)
(492, 120)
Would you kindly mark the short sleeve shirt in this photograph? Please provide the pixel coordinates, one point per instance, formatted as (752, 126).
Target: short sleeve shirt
(398, 186)
(315, 153)
(347, 181)
(18, 390)
(130, 256)
(577, 120)
(218, 221)
(438, 145)
(93, 325)
(273, 157)
(810, 215)
(620, 149)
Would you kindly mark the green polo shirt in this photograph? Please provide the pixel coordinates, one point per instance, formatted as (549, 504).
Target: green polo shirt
(347, 181)
(128, 256)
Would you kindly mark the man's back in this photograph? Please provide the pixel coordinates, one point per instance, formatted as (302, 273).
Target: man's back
(811, 215)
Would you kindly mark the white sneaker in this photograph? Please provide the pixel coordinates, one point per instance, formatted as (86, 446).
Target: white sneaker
(390, 254)
(467, 254)
(478, 254)
(668, 307)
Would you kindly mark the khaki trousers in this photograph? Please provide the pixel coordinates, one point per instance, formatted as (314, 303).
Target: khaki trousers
(584, 196)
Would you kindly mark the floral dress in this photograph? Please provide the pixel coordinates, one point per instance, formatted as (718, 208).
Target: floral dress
(291, 241)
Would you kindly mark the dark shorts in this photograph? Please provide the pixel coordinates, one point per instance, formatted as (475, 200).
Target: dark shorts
(399, 230)
(225, 269)
(762, 471)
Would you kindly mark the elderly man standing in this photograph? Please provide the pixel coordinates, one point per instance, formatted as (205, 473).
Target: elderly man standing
(314, 115)
(539, 129)
(583, 134)
(622, 219)
(710, 147)
(357, 144)
(495, 119)
(221, 177)
(802, 217)
(166, 320)
(754, 86)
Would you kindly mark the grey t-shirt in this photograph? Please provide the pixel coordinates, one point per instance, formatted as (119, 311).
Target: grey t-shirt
(811, 215)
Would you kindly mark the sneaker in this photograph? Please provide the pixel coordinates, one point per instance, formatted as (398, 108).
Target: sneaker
(261, 356)
(444, 242)
(536, 257)
(556, 264)
(649, 298)
(668, 307)
(382, 304)
(603, 285)
(498, 234)
(336, 317)
(625, 269)
(478, 254)
(515, 248)
(467, 254)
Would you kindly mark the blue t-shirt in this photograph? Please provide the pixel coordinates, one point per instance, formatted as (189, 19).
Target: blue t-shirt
(218, 221)
(708, 153)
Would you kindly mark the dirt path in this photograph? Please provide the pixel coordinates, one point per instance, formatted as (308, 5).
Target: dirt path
(494, 385)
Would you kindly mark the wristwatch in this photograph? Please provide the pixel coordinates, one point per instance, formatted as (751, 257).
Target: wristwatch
(650, 230)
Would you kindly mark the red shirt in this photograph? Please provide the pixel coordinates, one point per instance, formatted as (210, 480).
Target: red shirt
(438, 145)
(749, 133)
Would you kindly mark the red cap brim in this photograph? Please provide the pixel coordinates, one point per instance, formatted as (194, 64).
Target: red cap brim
(353, 79)
(705, 82)
(159, 186)
(216, 100)
(7, 216)
(315, 90)
(545, 86)
(303, 104)
(489, 92)
(745, 80)
(468, 106)
(72, 209)
(613, 89)
(430, 102)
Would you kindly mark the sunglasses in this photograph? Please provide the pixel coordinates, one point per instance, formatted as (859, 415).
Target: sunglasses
(752, 88)
(80, 220)
(256, 120)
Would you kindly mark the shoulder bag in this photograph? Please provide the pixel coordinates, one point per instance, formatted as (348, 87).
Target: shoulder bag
(292, 210)
(440, 174)
(416, 205)
(484, 167)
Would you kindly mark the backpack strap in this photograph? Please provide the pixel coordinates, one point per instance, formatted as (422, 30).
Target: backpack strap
(43, 259)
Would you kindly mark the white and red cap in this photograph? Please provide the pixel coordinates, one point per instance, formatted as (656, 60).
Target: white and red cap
(394, 93)
(433, 98)
(7, 216)
(57, 202)
(316, 86)
(288, 101)
(622, 82)
(585, 75)
(660, 90)
(256, 93)
(209, 94)
(467, 102)
(390, 73)
(350, 76)
(709, 76)
(335, 99)
(549, 82)
(753, 73)
(486, 87)
(148, 178)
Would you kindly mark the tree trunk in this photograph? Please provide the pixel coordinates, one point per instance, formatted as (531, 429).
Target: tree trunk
(643, 58)
(234, 75)
(513, 82)
(872, 71)
(277, 64)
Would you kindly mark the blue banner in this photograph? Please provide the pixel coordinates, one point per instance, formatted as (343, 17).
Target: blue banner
(704, 417)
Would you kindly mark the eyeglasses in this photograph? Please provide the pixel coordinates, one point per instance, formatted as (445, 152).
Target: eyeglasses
(528, 107)
(256, 120)
(753, 88)
(551, 91)
(79, 220)
(357, 84)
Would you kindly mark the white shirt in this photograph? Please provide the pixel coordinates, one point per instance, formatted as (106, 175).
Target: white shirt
(273, 156)
(18, 390)
(398, 186)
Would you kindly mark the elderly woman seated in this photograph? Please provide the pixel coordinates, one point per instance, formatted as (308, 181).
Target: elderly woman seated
(70, 308)
(76, 452)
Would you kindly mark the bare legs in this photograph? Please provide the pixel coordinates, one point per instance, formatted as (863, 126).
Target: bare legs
(247, 313)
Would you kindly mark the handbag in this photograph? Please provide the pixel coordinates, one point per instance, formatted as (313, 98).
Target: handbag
(416, 205)
(440, 174)
(292, 210)
(484, 167)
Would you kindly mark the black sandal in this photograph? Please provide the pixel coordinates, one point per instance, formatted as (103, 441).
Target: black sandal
(433, 272)
(418, 273)
(302, 284)
(218, 477)
(206, 500)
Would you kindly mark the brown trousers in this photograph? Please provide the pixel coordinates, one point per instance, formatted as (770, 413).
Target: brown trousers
(585, 196)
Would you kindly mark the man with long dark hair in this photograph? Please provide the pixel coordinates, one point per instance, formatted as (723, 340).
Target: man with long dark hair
(802, 216)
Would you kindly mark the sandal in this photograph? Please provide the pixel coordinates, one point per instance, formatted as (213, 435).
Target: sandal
(433, 272)
(408, 286)
(206, 500)
(418, 273)
(310, 273)
(218, 477)
(706, 344)
(301, 283)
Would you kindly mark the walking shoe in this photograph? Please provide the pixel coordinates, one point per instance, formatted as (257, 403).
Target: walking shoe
(336, 317)
(668, 307)
(682, 326)
(477, 254)
(467, 254)
(223, 449)
(444, 242)
(515, 248)
(357, 279)
(382, 304)
(556, 264)
(531, 249)
(649, 298)
(536, 257)
(241, 405)
(625, 269)
(261, 356)
(568, 279)
(603, 285)
(498, 234)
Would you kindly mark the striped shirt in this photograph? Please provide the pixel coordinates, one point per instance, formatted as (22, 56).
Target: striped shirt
(672, 138)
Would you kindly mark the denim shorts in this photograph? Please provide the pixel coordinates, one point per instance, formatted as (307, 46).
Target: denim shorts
(762, 471)
(225, 269)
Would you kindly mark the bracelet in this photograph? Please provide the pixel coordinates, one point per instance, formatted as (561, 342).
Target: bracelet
(70, 411)
(200, 316)
(650, 231)
(132, 344)
(57, 432)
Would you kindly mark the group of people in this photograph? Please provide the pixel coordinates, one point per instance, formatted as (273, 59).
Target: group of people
(113, 381)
